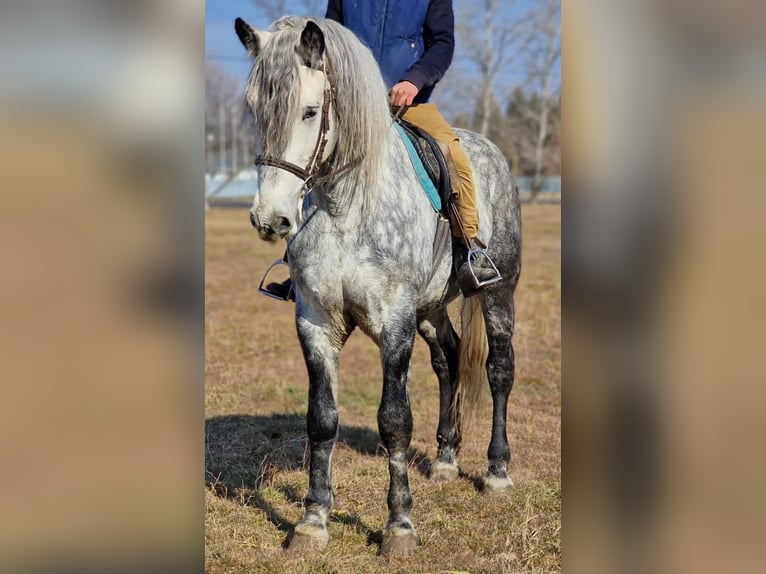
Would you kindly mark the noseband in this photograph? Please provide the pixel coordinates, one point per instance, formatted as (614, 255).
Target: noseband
(310, 173)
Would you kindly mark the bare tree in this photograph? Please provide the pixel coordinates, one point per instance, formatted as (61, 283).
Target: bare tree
(220, 86)
(541, 53)
(224, 118)
(455, 95)
(522, 124)
(486, 30)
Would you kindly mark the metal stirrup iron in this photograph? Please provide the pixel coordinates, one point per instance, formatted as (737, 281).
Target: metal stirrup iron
(476, 251)
(265, 290)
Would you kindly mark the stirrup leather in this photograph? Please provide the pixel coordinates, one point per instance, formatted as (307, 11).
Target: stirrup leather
(473, 253)
(271, 294)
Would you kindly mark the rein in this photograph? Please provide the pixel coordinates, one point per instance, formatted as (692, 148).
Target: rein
(310, 173)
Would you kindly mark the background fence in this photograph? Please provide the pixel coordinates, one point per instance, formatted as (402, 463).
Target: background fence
(229, 188)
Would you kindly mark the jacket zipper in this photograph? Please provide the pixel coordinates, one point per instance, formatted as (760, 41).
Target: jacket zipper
(382, 31)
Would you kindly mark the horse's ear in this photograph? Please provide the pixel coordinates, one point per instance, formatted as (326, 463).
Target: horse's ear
(311, 47)
(251, 39)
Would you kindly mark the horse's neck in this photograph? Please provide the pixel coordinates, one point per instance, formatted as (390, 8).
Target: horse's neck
(388, 227)
(381, 198)
(393, 206)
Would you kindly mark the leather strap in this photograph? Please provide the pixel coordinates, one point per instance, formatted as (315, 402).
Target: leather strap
(309, 174)
(459, 221)
(285, 165)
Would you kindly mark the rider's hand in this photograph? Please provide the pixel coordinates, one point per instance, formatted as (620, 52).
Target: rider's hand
(403, 93)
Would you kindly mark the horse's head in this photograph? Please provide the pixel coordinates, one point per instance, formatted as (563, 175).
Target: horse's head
(290, 96)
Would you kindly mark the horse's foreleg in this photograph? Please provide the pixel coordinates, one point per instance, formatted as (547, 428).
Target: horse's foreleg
(395, 426)
(499, 318)
(443, 342)
(321, 346)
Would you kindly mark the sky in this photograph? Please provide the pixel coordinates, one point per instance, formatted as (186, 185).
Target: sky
(221, 43)
(223, 47)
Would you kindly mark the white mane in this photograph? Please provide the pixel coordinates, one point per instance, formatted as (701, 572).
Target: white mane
(361, 106)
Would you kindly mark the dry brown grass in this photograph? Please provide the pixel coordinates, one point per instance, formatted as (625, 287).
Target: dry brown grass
(256, 398)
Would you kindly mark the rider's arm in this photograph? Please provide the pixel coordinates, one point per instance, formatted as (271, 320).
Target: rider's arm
(439, 43)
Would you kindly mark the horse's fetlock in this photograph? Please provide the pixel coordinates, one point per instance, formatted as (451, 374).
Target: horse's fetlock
(450, 438)
(499, 456)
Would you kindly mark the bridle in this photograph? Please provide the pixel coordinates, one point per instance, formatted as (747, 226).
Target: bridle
(310, 173)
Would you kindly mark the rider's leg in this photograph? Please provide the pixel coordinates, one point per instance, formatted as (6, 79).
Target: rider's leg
(428, 118)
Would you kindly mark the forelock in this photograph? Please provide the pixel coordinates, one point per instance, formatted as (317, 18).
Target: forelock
(271, 92)
(364, 121)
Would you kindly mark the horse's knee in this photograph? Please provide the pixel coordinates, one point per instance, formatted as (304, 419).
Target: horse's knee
(322, 423)
(395, 424)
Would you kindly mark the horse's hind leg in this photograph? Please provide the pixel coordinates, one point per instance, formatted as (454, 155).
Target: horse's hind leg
(395, 425)
(442, 340)
(321, 343)
(499, 318)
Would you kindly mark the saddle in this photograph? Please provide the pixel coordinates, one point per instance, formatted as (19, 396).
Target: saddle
(437, 161)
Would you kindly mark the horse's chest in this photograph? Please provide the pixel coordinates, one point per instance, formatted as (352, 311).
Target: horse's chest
(351, 278)
(320, 285)
(373, 304)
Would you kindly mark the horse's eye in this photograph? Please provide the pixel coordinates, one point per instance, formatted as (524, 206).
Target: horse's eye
(309, 113)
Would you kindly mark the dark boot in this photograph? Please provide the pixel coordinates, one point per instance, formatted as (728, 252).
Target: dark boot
(474, 267)
(282, 290)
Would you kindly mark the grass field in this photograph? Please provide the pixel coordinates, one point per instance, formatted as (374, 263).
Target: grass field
(256, 400)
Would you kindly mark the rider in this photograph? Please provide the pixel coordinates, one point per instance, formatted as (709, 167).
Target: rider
(413, 42)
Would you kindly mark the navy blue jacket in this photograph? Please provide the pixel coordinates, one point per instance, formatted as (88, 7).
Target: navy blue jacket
(411, 40)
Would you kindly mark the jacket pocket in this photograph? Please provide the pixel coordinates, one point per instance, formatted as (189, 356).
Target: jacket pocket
(415, 47)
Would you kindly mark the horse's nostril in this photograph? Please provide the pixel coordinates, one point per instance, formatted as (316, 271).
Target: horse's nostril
(253, 220)
(281, 224)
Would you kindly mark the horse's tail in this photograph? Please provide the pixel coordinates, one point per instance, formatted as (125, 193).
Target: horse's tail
(472, 361)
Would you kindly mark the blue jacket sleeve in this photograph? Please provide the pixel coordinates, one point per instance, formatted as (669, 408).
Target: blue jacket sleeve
(335, 10)
(439, 44)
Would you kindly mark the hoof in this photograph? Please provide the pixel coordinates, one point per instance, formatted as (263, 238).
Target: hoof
(308, 537)
(443, 471)
(495, 485)
(398, 541)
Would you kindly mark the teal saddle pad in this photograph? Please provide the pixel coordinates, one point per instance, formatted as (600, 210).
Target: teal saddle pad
(425, 182)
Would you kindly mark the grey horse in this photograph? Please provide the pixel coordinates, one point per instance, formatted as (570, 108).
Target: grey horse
(337, 184)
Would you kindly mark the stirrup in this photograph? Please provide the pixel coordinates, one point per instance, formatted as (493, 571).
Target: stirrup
(472, 254)
(271, 294)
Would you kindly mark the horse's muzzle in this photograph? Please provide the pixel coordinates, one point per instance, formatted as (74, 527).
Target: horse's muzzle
(278, 228)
